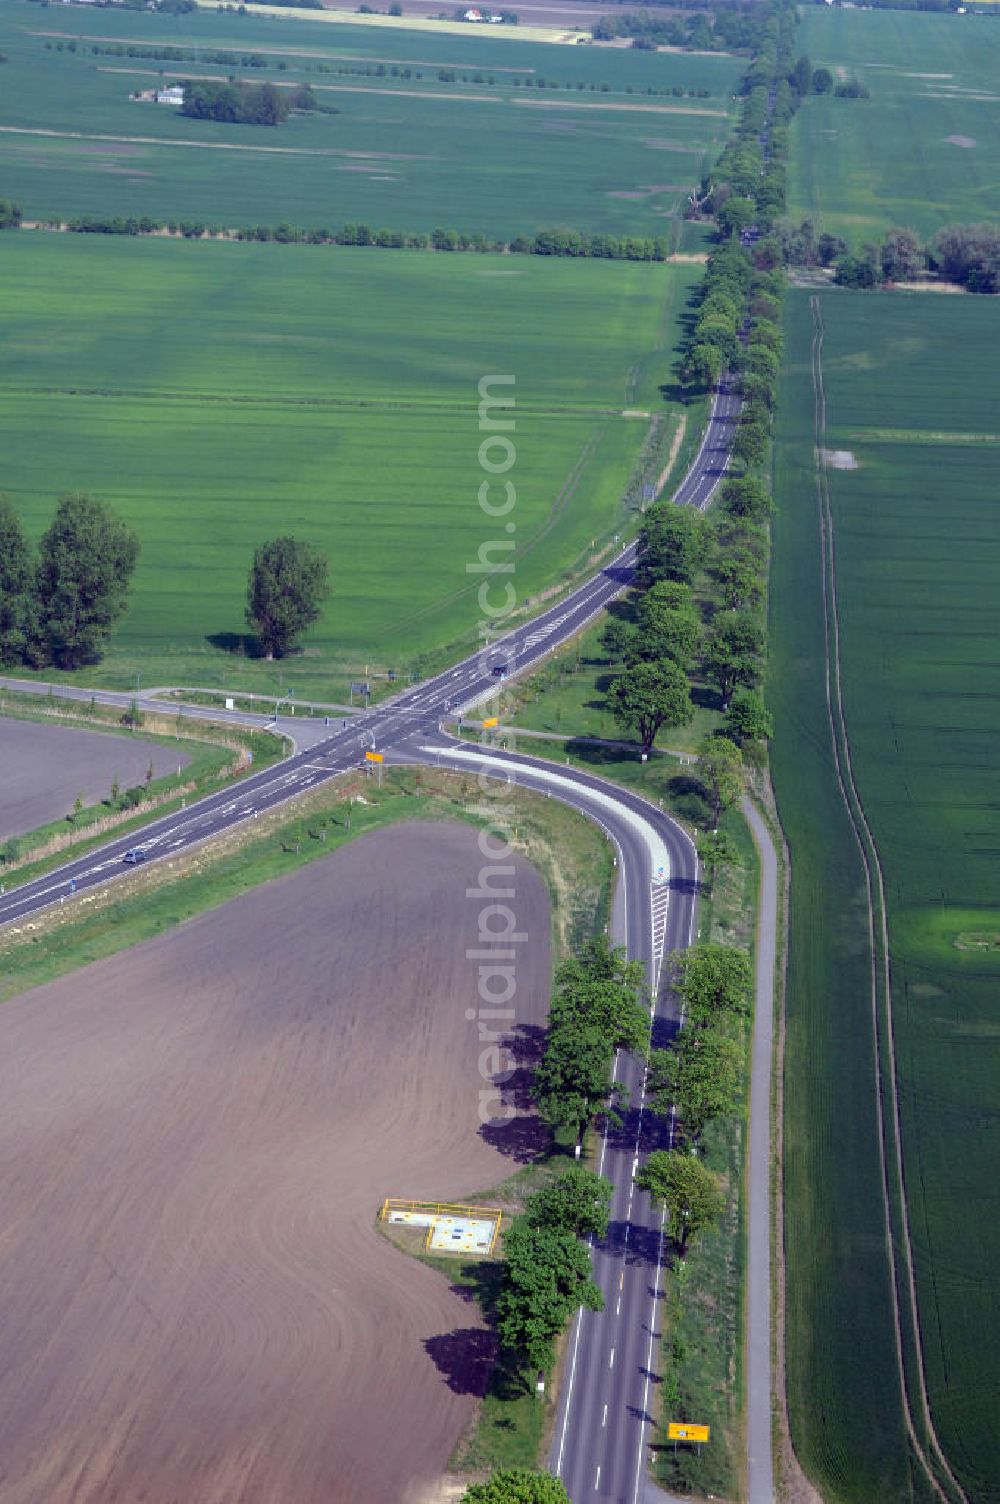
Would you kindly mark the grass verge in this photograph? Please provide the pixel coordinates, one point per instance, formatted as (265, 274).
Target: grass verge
(216, 754)
(572, 856)
(702, 1345)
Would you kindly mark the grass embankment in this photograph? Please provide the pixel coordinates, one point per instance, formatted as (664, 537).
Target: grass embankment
(918, 582)
(571, 854)
(922, 151)
(272, 391)
(215, 753)
(74, 143)
(568, 697)
(703, 1368)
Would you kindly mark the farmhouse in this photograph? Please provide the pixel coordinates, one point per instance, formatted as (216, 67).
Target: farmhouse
(173, 94)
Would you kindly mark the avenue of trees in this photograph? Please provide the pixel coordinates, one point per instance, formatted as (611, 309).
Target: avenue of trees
(722, 640)
(671, 639)
(288, 584)
(59, 603)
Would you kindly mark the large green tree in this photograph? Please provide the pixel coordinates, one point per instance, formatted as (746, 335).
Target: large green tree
(714, 980)
(288, 583)
(673, 543)
(667, 627)
(651, 695)
(700, 1076)
(734, 652)
(601, 986)
(573, 1080)
(546, 1278)
(750, 441)
(690, 1191)
(516, 1485)
(738, 574)
(575, 1201)
(86, 559)
(746, 496)
(17, 577)
(599, 1005)
(748, 718)
(722, 771)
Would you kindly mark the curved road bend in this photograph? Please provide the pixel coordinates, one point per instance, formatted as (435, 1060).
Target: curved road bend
(600, 1451)
(608, 1390)
(325, 752)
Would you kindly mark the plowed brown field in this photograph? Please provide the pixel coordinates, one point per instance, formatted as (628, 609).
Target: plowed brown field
(43, 769)
(195, 1136)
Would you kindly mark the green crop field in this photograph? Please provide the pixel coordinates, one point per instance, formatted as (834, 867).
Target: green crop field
(917, 546)
(924, 150)
(218, 394)
(482, 152)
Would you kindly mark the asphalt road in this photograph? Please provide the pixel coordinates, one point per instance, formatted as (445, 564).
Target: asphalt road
(608, 1395)
(323, 752)
(606, 1404)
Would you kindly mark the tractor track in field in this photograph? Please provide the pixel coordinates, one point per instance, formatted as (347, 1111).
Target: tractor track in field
(566, 492)
(429, 407)
(890, 1135)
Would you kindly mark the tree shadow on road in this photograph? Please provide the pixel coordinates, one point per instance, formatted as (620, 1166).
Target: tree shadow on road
(631, 1241)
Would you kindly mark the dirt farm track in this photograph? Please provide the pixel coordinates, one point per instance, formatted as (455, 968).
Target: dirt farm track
(194, 1138)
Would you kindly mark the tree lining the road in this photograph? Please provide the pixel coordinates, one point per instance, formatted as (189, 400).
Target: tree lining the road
(700, 1075)
(599, 1005)
(546, 1272)
(691, 1192)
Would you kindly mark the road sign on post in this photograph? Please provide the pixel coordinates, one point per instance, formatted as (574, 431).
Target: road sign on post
(682, 1430)
(491, 720)
(373, 757)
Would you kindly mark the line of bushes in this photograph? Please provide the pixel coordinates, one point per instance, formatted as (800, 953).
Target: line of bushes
(553, 242)
(162, 53)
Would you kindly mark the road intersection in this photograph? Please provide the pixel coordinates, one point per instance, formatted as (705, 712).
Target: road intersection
(600, 1447)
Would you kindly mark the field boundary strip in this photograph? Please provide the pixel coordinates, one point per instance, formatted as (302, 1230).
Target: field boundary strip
(889, 1121)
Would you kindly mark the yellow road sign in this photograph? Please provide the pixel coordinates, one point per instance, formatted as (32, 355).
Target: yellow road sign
(682, 1430)
(373, 756)
(491, 720)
